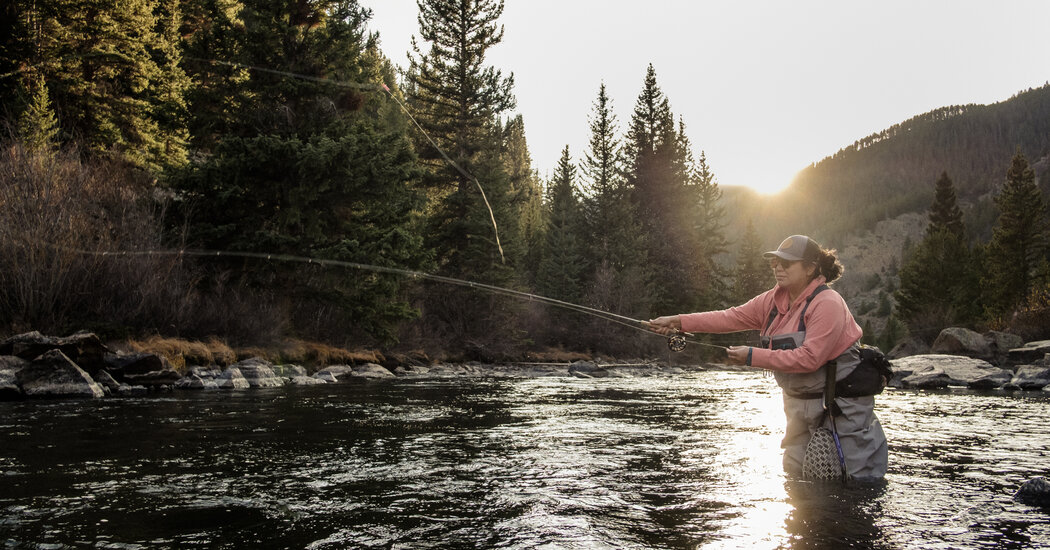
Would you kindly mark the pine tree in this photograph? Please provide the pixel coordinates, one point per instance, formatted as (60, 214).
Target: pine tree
(526, 194)
(945, 212)
(37, 126)
(617, 271)
(709, 225)
(1018, 242)
(938, 281)
(752, 274)
(658, 177)
(458, 101)
(112, 69)
(558, 275)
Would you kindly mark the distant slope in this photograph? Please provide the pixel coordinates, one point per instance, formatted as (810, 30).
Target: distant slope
(893, 172)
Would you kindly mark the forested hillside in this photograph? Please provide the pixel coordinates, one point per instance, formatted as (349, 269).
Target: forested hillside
(893, 172)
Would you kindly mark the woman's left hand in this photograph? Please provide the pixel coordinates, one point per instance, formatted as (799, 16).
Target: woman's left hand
(738, 355)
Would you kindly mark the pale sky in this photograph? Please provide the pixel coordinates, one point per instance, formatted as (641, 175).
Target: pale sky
(765, 87)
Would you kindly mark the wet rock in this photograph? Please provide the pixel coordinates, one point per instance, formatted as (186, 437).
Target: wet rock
(83, 348)
(9, 389)
(1034, 492)
(195, 382)
(1029, 353)
(371, 371)
(259, 373)
(232, 379)
(938, 371)
(305, 381)
(334, 373)
(1029, 377)
(55, 375)
(142, 369)
(206, 373)
(288, 371)
(961, 341)
(106, 380)
(9, 367)
(125, 390)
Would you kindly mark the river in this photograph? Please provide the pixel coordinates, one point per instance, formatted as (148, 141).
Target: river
(690, 461)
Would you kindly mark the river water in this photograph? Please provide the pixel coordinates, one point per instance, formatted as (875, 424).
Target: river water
(689, 461)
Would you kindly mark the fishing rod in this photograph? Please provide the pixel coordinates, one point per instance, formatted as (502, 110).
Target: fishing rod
(675, 342)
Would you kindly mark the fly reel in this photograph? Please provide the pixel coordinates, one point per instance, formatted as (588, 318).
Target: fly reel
(676, 342)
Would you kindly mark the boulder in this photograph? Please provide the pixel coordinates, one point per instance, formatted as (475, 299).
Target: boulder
(206, 373)
(106, 380)
(145, 369)
(938, 371)
(83, 348)
(1034, 492)
(1029, 377)
(1001, 343)
(9, 367)
(9, 389)
(259, 373)
(55, 375)
(910, 346)
(195, 382)
(305, 381)
(961, 341)
(232, 379)
(1029, 353)
(371, 371)
(335, 373)
(124, 390)
(288, 371)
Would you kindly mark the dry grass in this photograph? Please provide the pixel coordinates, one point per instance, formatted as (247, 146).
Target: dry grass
(315, 353)
(184, 353)
(557, 355)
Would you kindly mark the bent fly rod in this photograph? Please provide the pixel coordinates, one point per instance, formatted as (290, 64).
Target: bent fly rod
(675, 342)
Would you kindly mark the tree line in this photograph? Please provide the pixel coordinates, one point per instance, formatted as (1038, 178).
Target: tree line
(278, 127)
(948, 279)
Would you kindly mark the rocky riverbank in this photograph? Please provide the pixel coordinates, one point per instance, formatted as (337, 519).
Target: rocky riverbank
(37, 366)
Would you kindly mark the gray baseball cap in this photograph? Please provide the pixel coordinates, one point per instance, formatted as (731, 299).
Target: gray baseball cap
(795, 248)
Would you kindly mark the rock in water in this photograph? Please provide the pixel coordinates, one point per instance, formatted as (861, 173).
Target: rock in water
(1030, 377)
(259, 373)
(1034, 492)
(9, 367)
(232, 379)
(83, 348)
(938, 371)
(146, 369)
(371, 371)
(54, 375)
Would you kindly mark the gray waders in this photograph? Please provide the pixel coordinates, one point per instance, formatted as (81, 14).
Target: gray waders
(860, 437)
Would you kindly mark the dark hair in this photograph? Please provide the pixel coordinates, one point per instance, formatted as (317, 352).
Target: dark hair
(826, 260)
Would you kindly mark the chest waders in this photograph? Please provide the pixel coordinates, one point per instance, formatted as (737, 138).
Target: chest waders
(824, 458)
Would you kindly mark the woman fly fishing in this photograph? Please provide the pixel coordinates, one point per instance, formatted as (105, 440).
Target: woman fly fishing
(807, 331)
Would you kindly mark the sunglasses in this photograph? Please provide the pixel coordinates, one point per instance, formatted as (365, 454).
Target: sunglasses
(786, 264)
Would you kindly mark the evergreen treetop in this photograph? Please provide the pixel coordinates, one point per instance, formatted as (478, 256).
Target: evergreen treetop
(945, 213)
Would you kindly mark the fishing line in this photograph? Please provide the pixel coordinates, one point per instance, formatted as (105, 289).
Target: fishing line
(675, 342)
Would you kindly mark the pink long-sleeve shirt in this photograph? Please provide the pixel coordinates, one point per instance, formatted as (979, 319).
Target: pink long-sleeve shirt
(830, 327)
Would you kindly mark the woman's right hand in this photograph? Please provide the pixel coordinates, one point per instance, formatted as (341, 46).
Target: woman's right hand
(664, 325)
